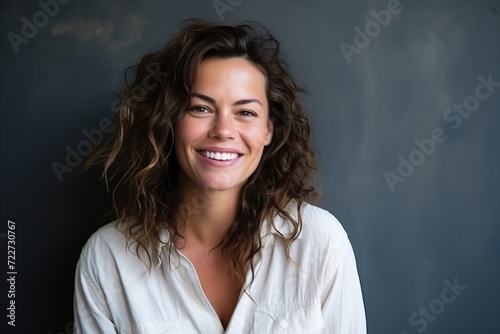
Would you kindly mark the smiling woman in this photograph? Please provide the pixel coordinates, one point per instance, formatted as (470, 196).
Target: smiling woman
(228, 118)
(210, 173)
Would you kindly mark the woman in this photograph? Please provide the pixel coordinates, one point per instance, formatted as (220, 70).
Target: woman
(211, 162)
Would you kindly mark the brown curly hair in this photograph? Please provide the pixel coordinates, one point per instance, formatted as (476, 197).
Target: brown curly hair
(138, 157)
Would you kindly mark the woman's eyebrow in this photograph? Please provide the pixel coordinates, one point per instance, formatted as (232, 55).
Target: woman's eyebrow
(212, 100)
(203, 97)
(246, 101)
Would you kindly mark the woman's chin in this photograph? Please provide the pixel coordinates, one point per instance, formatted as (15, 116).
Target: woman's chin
(221, 187)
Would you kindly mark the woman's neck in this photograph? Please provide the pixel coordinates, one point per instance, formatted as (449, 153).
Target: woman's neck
(206, 216)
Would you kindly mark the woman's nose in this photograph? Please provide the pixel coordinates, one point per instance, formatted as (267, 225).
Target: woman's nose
(223, 126)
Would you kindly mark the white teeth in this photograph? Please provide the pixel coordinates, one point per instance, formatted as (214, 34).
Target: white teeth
(219, 155)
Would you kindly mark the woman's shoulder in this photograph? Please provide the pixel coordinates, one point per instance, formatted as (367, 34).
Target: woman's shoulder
(108, 243)
(318, 219)
(106, 237)
(317, 223)
(108, 264)
(321, 226)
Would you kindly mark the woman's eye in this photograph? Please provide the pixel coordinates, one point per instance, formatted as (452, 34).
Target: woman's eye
(247, 113)
(199, 109)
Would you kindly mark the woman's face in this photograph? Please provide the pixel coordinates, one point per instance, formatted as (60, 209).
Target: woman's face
(220, 138)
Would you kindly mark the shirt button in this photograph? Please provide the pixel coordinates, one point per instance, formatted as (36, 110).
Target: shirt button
(283, 324)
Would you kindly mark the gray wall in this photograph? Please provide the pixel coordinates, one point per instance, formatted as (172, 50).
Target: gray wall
(420, 216)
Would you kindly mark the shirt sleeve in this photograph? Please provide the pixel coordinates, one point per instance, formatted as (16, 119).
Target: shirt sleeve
(342, 301)
(90, 309)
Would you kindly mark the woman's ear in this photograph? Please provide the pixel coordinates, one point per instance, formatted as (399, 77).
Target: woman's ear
(269, 134)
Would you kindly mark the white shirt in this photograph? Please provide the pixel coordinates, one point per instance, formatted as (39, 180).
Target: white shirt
(318, 293)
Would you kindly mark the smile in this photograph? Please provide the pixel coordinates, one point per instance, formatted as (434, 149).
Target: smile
(219, 156)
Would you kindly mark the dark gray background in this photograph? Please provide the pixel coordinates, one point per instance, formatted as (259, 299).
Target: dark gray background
(441, 223)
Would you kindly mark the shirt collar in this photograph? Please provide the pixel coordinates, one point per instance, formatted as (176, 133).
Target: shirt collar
(282, 228)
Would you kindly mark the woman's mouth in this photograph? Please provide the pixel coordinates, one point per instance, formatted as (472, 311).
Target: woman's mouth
(220, 156)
